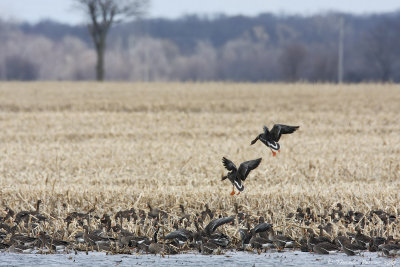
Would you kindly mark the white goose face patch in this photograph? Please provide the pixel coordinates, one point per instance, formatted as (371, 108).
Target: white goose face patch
(240, 187)
(274, 146)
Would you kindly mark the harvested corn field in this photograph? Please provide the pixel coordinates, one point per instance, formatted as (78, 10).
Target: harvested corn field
(115, 146)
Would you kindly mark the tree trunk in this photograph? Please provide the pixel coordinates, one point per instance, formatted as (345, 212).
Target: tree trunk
(100, 60)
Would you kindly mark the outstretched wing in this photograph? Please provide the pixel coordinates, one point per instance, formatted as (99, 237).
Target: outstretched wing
(181, 234)
(214, 224)
(266, 130)
(280, 129)
(246, 167)
(229, 165)
(262, 227)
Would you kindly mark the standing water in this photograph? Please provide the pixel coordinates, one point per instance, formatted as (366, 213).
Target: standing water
(291, 258)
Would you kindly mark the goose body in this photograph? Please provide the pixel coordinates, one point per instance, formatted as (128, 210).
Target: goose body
(180, 236)
(259, 242)
(245, 237)
(271, 138)
(208, 248)
(325, 248)
(280, 241)
(32, 215)
(391, 249)
(155, 247)
(93, 239)
(349, 248)
(55, 244)
(262, 227)
(235, 175)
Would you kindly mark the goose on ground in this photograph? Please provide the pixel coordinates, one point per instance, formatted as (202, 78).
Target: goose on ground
(207, 212)
(155, 247)
(180, 236)
(93, 239)
(349, 248)
(155, 213)
(325, 248)
(258, 242)
(207, 247)
(21, 240)
(391, 249)
(51, 243)
(280, 241)
(214, 224)
(127, 214)
(34, 215)
(245, 237)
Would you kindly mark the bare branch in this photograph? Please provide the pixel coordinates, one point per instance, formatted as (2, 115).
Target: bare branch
(102, 14)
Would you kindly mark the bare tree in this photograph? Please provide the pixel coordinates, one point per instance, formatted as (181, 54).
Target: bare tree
(19, 68)
(381, 47)
(103, 13)
(291, 60)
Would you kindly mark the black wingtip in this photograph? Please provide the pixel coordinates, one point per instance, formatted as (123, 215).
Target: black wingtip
(258, 161)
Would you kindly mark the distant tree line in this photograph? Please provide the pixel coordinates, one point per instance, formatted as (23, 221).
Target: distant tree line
(263, 48)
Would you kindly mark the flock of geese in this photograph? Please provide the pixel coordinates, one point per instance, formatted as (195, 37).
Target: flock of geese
(159, 232)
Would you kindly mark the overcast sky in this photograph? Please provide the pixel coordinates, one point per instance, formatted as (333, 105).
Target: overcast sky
(63, 11)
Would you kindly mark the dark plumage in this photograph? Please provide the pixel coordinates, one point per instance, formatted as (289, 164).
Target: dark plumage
(214, 224)
(349, 248)
(154, 246)
(220, 239)
(128, 214)
(259, 242)
(93, 239)
(324, 248)
(271, 138)
(34, 215)
(245, 236)
(262, 227)
(236, 176)
(47, 241)
(19, 239)
(362, 239)
(180, 236)
(280, 241)
(207, 247)
(391, 249)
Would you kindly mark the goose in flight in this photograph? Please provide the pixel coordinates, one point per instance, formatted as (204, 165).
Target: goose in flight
(236, 176)
(271, 138)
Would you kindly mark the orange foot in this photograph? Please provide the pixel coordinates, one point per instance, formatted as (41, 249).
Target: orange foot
(232, 193)
(273, 153)
(238, 193)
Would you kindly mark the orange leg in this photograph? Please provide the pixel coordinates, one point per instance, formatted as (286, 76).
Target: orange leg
(279, 151)
(238, 193)
(233, 191)
(273, 152)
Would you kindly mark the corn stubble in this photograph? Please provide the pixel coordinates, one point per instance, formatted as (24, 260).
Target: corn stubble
(114, 146)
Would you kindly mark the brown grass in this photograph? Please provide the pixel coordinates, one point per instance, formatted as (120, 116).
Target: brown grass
(114, 145)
